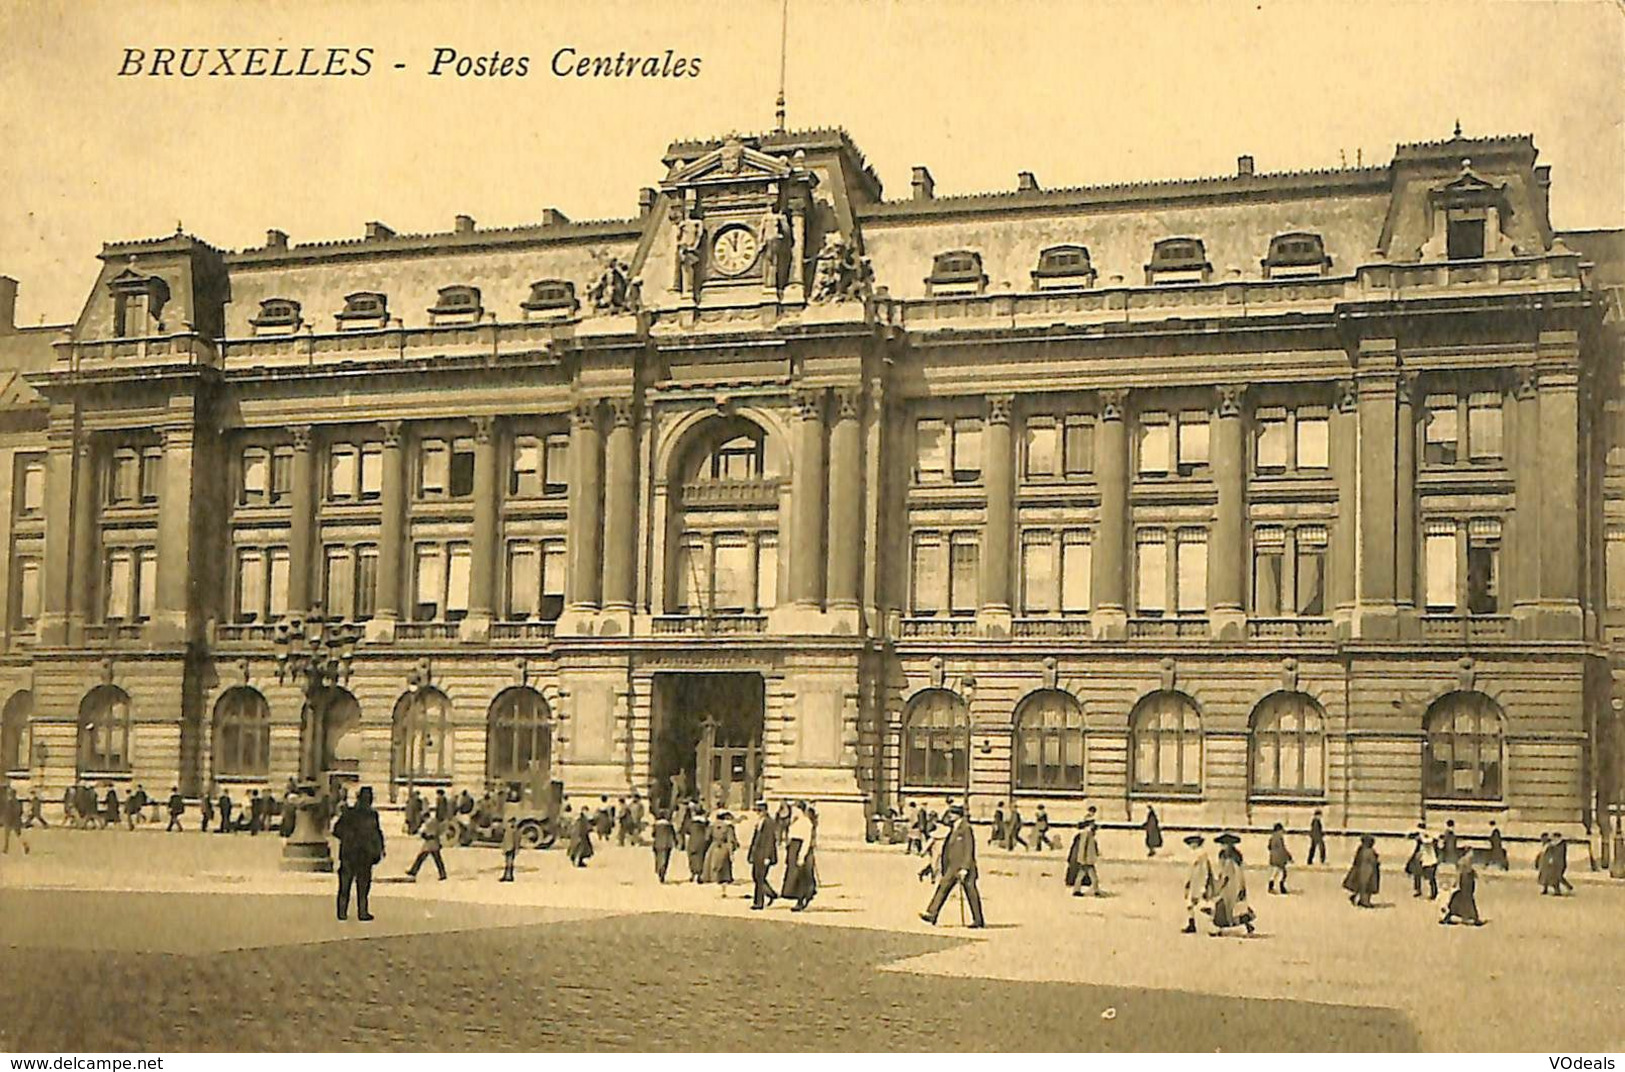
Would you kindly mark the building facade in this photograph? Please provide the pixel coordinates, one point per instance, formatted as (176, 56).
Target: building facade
(1240, 496)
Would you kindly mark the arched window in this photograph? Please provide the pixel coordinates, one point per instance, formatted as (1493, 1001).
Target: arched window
(1165, 733)
(422, 732)
(724, 546)
(1288, 747)
(1049, 742)
(14, 732)
(242, 733)
(1462, 757)
(520, 734)
(104, 731)
(936, 741)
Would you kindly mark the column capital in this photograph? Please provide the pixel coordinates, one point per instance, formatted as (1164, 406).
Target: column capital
(809, 402)
(1526, 383)
(623, 411)
(392, 433)
(1227, 399)
(301, 434)
(1346, 396)
(584, 414)
(1405, 388)
(1113, 403)
(999, 407)
(484, 430)
(848, 403)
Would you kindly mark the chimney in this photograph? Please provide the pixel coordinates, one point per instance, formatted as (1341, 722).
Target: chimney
(377, 231)
(924, 188)
(551, 217)
(8, 305)
(275, 239)
(1026, 182)
(464, 225)
(1244, 166)
(646, 200)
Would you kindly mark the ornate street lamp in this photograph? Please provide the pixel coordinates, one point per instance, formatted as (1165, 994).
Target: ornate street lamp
(315, 652)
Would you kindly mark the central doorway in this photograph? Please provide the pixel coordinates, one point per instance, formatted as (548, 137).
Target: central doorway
(708, 739)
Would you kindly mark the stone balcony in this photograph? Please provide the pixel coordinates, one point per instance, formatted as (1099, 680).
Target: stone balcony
(185, 349)
(710, 624)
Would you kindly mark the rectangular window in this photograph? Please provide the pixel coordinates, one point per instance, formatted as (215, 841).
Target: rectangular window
(524, 581)
(1441, 437)
(767, 570)
(734, 574)
(30, 485)
(1192, 577)
(1311, 571)
(693, 576)
(1155, 444)
(146, 582)
(1314, 441)
(372, 470)
(281, 474)
(967, 450)
(930, 451)
(1151, 571)
(428, 582)
(1270, 431)
(366, 581)
(1038, 580)
(277, 587)
(124, 477)
(1079, 445)
(553, 565)
(965, 574)
(1439, 563)
(1483, 566)
(1269, 555)
(525, 475)
(1076, 566)
(929, 574)
(152, 473)
(341, 472)
(462, 468)
(459, 568)
(1043, 448)
(1464, 239)
(1614, 566)
(338, 582)
(557, 448)
(256, 476)
(27, 598)
(1484, 427)
(119, 578)
(434, 467)
(1193, 443)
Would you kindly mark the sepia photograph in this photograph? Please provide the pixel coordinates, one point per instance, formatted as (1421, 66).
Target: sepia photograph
(811, 527)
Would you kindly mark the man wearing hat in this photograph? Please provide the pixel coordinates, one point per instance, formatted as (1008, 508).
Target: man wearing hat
(1198, 881)
(1085, 853)
(1423, 866)
(762, 853)
(958, 868)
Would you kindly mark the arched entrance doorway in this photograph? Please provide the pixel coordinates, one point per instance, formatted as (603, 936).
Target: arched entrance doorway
(708, 739)
(15, 753)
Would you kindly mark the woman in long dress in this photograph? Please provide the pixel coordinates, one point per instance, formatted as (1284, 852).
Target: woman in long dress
(581, 839)
(1463, 903)
(1365, 873)
(1230, 907)
(719, 855)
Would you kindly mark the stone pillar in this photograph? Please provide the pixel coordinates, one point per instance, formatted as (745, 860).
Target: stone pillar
(391, 536)
(171, 617)
(846, 506)
(1526, 520)
(1560, 504)
(1344, 445)
(584, 581)
(807, 503)
(1228, 546)
(1405, 506)
(1376, 611)
(621, 506)
(487, 534)
(56, 600)
(85, 569)
(1110, 551)
(998, 534)
(302, 522)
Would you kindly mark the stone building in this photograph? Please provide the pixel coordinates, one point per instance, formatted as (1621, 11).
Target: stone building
(1242, 496)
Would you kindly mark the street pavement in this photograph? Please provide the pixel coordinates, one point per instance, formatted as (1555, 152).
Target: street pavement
(117, 940)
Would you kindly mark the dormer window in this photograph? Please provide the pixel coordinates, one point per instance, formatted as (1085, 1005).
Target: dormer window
(1063, 267)
(277, 316)
(956, 272)
(1178, 260)
(363, 310)
(1294, 255)
(138, 300)
(551, 299)
(456, 305)
(1464, 238)
(1468, 213)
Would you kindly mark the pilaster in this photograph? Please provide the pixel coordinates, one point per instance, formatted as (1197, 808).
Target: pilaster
(391, 537)
(583, 583)
(846, 502)
(171, 619)
(487, 535)
(998, 477)
(807, 502)
(1376, 611)
(1110, 575)
(302, 520)
(620, 507)
(1344, 448)
(1229, 541)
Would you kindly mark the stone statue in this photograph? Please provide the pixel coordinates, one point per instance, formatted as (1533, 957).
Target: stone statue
(690, 236)
(839, 274)
(612, 292)
(774, 230)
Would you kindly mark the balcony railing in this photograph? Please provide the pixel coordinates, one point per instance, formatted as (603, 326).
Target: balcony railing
(520, 630)
(1288, 628)
(939, 627)
(426, 631)
(1466, 626)
(103, 632)
(1051, 627)
(710, 624)
(1163, 628)
(244, 632)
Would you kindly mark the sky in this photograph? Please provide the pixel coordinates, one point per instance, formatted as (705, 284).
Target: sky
(1078, 93)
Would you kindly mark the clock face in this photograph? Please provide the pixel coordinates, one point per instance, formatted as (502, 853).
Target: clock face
(734, 250)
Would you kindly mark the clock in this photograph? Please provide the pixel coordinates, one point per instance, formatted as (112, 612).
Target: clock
(734, 250)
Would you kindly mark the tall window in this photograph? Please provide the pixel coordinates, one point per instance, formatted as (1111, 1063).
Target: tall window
(948, 450)
(25, 592)
(1462, 756)
(1078, 445)
(130, 584)
(1288, 747)
(242, 733)
(727, 572)
(29, 488)
(1156, 444)
(556, 464)
(1173, 443)
(1455, 586)
(104, 731)
(1614, 566)
(1049, 742)
(1269, 570)
(1191, 581)
(1151, 572)
(525, 470)
(1042, 448)
(440, 579)
(520, 734)
(14, 743)
(1166, 744)
(261, 592)
(422, 736)
(946, 573)
(350, 581)
(1483, 566)
(1291, 439)
(1484, 427)
(1310, 574)
(1439, 566)
(936, 741)
(1272, 438)
(1192, 443)
(134, 475)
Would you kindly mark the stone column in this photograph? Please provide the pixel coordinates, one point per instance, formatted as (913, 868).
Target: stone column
(171, 619)
(1344, 443)
(1560, 614)
(302, 522)
(807, 503)
(87, 566)
(1376, 613)
(1228, 546)
(391, 536)
(1110, 551)
(846, 506)
(583, 583)
(621, 506)
(998, 534)
(1524, 571)
(1405, 570)
(56, 603)
(487, 534)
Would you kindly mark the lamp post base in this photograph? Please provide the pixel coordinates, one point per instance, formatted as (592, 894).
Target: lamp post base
(307, 848)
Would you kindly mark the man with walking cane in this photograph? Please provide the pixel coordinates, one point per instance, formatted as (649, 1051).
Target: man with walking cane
(958, 869)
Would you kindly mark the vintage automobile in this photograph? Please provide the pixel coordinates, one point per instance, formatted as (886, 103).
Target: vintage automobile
(537, 801)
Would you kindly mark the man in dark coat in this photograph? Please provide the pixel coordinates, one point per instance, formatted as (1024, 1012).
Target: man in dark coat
(1498, 849)
(1280, 857)
(205, 810)
(604, 818)
(225, 813)
(414, 811)
(361, 847)
(581, 839)
(36, 810)
(1082, 861)
(442, 806)
(1449, 849)
(1013, 831)
(177, 808)
(1365, 873)
(763, 853)
(256, 811)
(133, 805)
(1317, 840)
(664, 840)
(1153, 832)
(958, 869)
(110, 808)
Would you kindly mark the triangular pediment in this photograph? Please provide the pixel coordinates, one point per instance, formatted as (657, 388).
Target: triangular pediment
(733, 161)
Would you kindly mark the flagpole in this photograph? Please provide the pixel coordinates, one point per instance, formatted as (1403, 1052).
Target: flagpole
(784, 37)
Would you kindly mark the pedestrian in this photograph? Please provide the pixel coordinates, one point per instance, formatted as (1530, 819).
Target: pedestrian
(916, 828)
(635, 815)
(997, 835)
(510, 847)
(1551, 864)
(1317, 840)
(442, 805)
(206, 811)
(36, 810)
(290, 809)
(957, 867)
(932, 871)
(763, 853)
(1498, 849)
(798, 848)
(1463, 903)
(1280, 857)
(664, 838)
(1230, 907)
(361, 848)
(11, 817)
(719, 853)
(1198, 880)
(110, 809)
(581, 839)
(256, 811)
(1423, 865)
(428, 849)
(623, 821)
(70, 810)
(414, 811)
(782, 816)
(1081, 869)
(177, 808)
(1153, 832)
(1014, 830)
(133, 804)
(1041, 838)
(1364, 877)
(696, 840)
(604, 818)
(1448, 850)
(225, 812)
